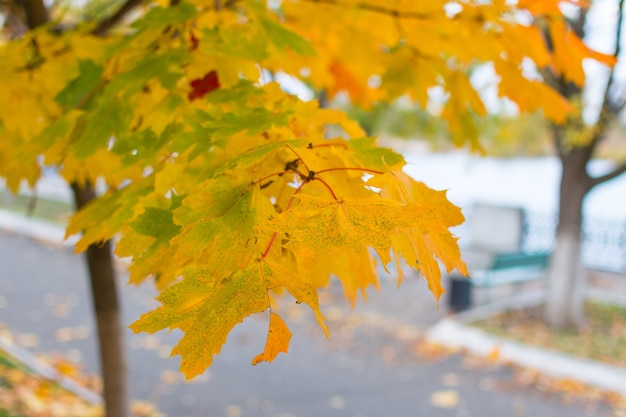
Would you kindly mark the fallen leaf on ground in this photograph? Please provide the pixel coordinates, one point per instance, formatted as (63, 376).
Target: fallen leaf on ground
(444, 399)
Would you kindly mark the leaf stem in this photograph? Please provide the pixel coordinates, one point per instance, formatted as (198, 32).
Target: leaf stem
(293, 197)
(327, 186)
(299, 157)
(273, 238)
(269, 245)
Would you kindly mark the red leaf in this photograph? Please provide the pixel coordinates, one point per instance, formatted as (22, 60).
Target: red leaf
(202, 86)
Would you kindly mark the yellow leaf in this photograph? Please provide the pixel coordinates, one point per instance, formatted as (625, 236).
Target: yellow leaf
(494, 354)
(206, 313)
(278, 337)
(427, 239)
(417, 230)
(295, 281)
(221, 226)
(347, 224)
(355, 269)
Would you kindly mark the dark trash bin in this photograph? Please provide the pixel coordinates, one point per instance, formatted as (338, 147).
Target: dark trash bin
(460, 295)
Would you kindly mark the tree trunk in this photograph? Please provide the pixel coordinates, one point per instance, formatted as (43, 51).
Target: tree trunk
(108, 319)
(102, 279)
(36, 13)
(566, 282)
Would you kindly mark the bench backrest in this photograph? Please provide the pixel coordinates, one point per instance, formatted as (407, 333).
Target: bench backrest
(520, 259)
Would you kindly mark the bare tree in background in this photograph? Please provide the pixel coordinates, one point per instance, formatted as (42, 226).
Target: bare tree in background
(576, 142)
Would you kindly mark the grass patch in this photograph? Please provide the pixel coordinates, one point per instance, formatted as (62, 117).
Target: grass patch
(53, 211)
(603, 338)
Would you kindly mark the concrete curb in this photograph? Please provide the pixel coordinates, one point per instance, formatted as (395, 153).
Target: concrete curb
(454, 332)
(36, 229)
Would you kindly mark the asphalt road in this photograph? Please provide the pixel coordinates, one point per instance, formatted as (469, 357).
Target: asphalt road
(374, 366)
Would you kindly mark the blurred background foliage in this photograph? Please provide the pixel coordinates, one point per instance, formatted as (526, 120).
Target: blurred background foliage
(501, 135)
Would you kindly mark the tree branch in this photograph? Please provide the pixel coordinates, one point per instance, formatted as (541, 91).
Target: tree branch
(578, 25)
(618, 107)
(606, 103)
(107, 24)
(609, 110)
(613, 174)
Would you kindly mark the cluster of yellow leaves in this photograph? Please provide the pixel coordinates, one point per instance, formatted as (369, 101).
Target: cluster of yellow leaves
(222, 186)
(381, 50)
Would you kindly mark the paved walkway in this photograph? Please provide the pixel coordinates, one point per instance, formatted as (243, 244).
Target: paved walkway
(373, 367)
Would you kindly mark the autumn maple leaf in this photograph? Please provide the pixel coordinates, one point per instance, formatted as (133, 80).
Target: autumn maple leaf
(202, 86)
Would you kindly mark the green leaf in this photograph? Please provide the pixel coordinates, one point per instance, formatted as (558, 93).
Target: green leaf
(156, 222)
(372, 156)
(103, 217)
(252, 120)
(57, 132)
(245, 42)
(163, 67)
(98, 126)
(136, 146)
(81, 87)
(160, 17)
(159, 224)
(239, 94)
(284, 38)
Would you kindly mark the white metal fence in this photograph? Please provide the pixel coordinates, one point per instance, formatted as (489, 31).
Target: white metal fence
(604, 240)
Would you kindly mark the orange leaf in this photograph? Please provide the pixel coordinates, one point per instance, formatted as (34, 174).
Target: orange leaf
(278, 337)
(570, 51)
(345, 80)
